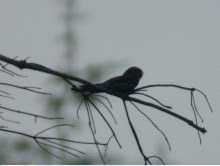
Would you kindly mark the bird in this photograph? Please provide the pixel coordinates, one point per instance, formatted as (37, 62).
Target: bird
(124, 84)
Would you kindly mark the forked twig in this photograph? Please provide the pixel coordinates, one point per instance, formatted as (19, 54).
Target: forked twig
(192, 102)
(65, 146)
(153, 99)
(104, 98)
(38, 140)
(106, 147)
(96, 108)
(79, 107)
(153, 125)
(93, 134)
(157, 158)
(9, 71)
(62, 150)
(92, 122)
(106, 108)
(30, 114)
(26, 88)
(146, 159)
(189, 122)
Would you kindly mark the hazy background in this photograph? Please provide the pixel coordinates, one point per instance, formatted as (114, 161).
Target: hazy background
(171, 41)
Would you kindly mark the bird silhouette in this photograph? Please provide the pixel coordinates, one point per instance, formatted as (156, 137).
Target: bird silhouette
(122, 84)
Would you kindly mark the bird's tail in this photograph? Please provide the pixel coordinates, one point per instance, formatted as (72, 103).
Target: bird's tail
(87, 88)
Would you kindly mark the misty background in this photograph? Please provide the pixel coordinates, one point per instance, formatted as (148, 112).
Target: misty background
(171, 41)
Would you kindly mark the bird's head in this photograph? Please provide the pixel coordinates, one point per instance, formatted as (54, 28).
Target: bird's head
(133, 72)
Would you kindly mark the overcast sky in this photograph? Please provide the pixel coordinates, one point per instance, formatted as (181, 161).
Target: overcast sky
(171, 41)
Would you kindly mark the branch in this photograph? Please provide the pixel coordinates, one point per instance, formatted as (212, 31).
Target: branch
(153, 124)
(146, 159)
(33, 66)
(30, 114)
(38, 140)
(26, 88)
(22, 64)
(189, 122)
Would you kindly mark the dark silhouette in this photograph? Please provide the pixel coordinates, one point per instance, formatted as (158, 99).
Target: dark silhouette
(123, 84)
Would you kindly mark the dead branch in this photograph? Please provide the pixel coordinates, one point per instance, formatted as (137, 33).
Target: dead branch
(50, 143)
(30, 114)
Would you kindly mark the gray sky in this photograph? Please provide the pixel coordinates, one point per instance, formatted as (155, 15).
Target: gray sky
(172, 41)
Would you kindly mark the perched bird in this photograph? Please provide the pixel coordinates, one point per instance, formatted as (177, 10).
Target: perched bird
(123, 84)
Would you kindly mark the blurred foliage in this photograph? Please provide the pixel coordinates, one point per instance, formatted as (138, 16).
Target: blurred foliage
(23, 145)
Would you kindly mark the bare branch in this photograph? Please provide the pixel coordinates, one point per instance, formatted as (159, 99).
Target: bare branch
(157, 158)
(153, 99)
(5, 92)
(7, 97)
(38, 140)
(9, 120)
(106, 147)
(192, 102)
(93, 133)
(30, 114)
(6, 72)
(105, 122)
(106, 108)
(153, 125)
(189, 122)
(22, 64)
(91, 119)
(61, 125)
(26, 88)
(146, 159)
(104, 98)
(79, 107)
(205, 98)
(65, 146)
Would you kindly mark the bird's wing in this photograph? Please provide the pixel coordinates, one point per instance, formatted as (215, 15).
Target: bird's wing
(120, 84)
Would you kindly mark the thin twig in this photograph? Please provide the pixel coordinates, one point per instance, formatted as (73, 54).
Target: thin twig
(91, 116)
(65, 146)
(189, 122)
(192, 102)
(135, 136)
(39, 144)
(50, 138)
(9, 71)
(93, 134)
(104, 98)
(162, 85)
(106, 122)
(154, 99)
(205, 98)
(5, 92)
(79, 107)
(30, 114)
(106, 108)
(108, 144)
(7, 97)
(25, 88)
(153, 125)
(63, 150)
(6, 72)
(157, 158)
(9, 120)
(61, 125)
